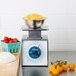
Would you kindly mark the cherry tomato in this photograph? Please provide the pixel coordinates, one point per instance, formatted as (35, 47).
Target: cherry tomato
(10, 38)
(6, 38)
(6, 41)
(71, 66)
(15, 40)
(10, 41)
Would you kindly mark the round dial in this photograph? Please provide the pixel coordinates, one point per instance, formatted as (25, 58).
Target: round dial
(34, 52)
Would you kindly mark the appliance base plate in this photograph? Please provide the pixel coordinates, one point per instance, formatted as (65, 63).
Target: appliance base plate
(35, 71)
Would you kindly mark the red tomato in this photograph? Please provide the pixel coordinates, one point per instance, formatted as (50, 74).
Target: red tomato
(6, 41)
(6, 38)
(15, 40)
(10, 38)
(10, 41)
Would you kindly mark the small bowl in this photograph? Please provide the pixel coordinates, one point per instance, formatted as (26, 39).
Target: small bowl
(34, 24)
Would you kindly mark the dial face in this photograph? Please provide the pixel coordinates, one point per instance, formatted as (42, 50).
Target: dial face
(34, 52)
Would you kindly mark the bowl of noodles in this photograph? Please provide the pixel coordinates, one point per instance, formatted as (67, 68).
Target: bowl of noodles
(34, 21)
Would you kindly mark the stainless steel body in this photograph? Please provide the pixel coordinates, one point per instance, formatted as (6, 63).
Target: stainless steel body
(34, 33)
(34, 44)
(35, 71)
(35, 24)
(31, 66)
(41, 58)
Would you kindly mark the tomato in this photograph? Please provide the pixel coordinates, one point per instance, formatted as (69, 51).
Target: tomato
(6, 38)
(10, 38)
(55, 71)
(65, 66)
(60, 68)
(10, 41)
(71, 66)
(15, 40)
(51, 68)
(6, 41)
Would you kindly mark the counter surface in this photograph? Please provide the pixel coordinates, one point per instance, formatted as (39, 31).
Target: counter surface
(10, 69)
(69, 56)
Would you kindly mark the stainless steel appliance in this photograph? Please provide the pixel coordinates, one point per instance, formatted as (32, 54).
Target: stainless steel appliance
(34, 24)
(34, 53)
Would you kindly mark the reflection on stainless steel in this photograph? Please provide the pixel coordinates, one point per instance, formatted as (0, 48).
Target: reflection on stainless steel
(68, 73)
(35, 71)
(34, 23)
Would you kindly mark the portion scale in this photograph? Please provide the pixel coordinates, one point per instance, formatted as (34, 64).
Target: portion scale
(34, 53)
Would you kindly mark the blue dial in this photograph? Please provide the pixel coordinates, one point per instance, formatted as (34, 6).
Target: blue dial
(34, 52)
